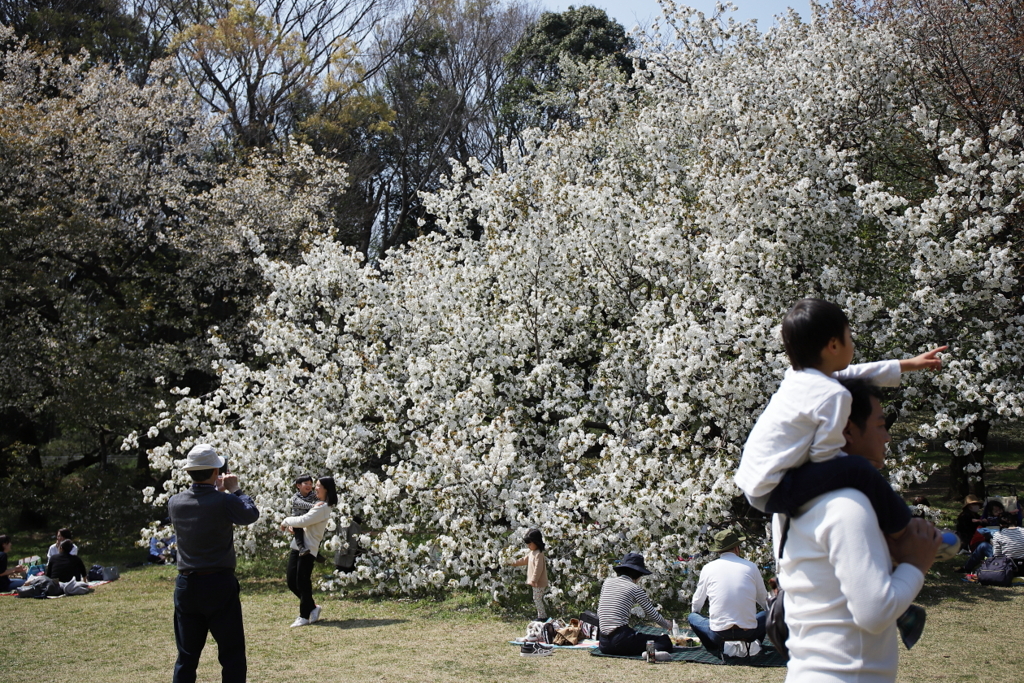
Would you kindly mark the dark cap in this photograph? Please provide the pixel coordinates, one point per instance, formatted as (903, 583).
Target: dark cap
(634, 561)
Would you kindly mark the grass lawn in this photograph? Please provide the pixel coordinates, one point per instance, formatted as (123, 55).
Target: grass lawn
(123, 633)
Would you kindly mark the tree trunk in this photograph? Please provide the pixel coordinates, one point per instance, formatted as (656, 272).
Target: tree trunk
(142, 461)
(962, 482)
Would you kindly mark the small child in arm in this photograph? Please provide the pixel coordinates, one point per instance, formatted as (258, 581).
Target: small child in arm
(536, 570)
(790, 456)
(302, 502)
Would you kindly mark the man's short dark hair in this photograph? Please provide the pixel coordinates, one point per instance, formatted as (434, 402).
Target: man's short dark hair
(860, 406)
(1006, 520)
(66, 546)
(808, 328)
(201, 475)
(65, 532)
(4, 540)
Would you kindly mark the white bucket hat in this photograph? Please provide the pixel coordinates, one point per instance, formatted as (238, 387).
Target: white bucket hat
(203, 457)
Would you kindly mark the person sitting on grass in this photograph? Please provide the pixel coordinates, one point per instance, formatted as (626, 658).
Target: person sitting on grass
(733, 588)
(618, 596)
(63, 534)
(989, 518)
(8, 584)
(1009, 540)
(161, 548)
(64, 566)
(968, 520)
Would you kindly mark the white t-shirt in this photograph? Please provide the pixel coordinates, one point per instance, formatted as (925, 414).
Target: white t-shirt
(803, 422)
(842, 595)
(55, 549)
(734, 589)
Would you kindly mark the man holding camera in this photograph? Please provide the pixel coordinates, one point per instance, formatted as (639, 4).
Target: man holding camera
(206, 593)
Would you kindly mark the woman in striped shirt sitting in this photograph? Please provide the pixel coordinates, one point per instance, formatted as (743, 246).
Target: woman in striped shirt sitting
(1009, 540)
(618, 596)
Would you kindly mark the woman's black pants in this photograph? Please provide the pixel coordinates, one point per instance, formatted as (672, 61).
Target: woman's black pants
(300, 580)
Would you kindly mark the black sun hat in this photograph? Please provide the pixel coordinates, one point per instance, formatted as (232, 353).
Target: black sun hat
(634, 561)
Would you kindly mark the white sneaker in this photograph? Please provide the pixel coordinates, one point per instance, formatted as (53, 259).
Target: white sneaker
(299, 621)
(659, 656)
(314, 616)
(535, 650)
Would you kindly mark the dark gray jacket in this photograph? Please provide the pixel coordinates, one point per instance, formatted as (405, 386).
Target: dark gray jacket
(204, 520)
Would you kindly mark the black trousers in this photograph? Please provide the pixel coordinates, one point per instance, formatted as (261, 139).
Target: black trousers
(627, 642)
(208, 603)
(300, 580)
(812, 479)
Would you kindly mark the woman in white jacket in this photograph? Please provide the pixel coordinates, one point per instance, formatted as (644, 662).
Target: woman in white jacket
(300, 563)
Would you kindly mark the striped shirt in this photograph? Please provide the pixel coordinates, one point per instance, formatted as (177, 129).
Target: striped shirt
(618, 595)
(1009, 542)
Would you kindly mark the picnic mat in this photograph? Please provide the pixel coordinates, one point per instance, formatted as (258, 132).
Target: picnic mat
(766, 657)
(92, 585)
(588, 644)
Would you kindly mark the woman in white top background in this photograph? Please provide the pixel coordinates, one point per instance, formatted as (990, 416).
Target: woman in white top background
(63, 534)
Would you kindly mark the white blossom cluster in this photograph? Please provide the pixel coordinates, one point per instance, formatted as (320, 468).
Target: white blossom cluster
(585, 344)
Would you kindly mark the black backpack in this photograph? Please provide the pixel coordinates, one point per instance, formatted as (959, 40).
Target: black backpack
(997, 571)
(40, 588)
(775, 625)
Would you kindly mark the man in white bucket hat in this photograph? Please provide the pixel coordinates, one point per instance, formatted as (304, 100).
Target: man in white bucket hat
(206, 593)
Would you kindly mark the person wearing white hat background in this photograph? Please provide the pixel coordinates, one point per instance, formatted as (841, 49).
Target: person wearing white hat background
(206, 592)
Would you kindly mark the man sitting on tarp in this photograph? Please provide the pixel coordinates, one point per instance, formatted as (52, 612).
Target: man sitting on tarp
(733, 588)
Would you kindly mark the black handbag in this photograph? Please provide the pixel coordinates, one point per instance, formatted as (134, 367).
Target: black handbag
(775, 625)
(589, 625)
(997, 571)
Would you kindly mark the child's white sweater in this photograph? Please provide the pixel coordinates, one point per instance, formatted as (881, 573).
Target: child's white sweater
(803, 421)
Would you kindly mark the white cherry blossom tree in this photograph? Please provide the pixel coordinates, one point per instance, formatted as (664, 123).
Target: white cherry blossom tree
(585, 344)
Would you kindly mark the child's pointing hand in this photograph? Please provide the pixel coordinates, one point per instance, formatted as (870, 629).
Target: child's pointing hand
(929, 360)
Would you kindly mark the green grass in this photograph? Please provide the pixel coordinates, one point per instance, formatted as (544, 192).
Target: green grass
(123, 633)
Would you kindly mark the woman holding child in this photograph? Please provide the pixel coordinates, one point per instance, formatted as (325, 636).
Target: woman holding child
(300, 560)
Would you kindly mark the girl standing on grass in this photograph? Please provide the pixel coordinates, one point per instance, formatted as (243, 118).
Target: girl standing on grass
(536, 569)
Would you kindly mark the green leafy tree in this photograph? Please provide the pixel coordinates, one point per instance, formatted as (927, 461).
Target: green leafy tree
(543, 90)
(106, 29)
(262, 63)
(123, 243)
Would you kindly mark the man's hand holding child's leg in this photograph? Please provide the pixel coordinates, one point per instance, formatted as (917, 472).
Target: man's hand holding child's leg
(917, 545)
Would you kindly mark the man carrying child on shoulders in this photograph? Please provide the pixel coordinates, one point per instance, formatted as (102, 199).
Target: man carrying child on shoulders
(792, 459)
